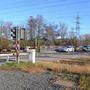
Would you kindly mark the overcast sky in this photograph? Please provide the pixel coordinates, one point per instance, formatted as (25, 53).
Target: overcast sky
(54, 11)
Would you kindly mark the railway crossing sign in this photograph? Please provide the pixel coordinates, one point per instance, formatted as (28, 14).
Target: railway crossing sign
(17, 49)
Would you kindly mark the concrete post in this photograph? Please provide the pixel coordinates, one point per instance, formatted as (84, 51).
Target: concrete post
(33, 55)
(7, 58)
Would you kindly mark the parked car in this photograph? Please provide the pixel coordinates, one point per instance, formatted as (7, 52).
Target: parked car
(85, 48)
(65, 49)
(27, 49)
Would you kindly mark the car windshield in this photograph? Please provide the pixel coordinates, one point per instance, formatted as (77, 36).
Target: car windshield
(69, 46)
(88, 46)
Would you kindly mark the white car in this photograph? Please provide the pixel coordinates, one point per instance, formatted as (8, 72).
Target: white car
(27, 49)
(65, 49)
(69, 49)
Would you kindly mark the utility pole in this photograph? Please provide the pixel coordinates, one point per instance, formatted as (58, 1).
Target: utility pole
(14, 35)
(77, 26)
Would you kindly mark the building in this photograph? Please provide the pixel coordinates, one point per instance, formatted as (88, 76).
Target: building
(21, 34)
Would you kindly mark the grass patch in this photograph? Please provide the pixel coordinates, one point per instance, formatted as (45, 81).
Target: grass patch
(82, 59)
(23, 66)
(41, 66)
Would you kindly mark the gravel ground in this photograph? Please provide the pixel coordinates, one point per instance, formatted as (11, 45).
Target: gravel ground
(16, 80)
(10, 80)
(22, 81)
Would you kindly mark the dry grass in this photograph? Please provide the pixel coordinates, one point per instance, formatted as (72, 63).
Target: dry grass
(82, 59)
(42, 66)
(57, 67)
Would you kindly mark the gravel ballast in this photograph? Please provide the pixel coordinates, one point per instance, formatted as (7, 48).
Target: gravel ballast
(10, 80)
(17, 80)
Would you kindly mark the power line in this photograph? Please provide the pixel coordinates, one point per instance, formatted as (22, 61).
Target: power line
(77, 25)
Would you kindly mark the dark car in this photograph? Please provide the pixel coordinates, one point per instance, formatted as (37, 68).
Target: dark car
(86, 48)
(60, 49)
(65, 49)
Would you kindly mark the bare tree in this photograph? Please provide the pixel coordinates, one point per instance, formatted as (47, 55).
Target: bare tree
(1, 33)
(36, 29)
(62, 31)
(50, 34)
(8, 26)
(72, 38)
(32, 27)
(86, 39)
(5, 34)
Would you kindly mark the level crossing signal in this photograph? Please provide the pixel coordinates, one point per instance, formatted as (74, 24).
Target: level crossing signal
(13, 33)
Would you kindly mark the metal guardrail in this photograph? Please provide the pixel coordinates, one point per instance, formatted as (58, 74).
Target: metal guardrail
(7, 57)
(22, 57)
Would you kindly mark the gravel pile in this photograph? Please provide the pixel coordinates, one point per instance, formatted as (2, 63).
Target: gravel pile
(23, 81)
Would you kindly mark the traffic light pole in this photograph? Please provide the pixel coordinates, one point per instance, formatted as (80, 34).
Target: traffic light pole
(17, 48)
(15, 38)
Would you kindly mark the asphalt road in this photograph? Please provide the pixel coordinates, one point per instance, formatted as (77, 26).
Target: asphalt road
(62, 55)
(47, 56)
